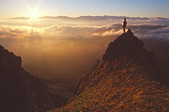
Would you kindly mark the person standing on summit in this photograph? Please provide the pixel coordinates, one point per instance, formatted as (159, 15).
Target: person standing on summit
(124, 25)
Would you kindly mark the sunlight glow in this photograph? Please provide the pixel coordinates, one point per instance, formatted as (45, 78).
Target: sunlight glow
(33, 14)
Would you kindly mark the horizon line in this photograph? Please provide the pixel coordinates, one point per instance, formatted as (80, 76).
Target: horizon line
(77, 17)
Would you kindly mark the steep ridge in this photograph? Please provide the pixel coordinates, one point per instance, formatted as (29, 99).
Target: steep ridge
(20, 91)
(126, 79)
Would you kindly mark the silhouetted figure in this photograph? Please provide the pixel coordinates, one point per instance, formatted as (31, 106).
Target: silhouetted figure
(124, 25)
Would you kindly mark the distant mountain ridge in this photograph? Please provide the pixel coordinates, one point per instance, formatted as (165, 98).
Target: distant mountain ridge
(20, 91)
(126, 79)
(89, 18)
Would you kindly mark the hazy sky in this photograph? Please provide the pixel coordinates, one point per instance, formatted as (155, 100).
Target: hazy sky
(141, 8)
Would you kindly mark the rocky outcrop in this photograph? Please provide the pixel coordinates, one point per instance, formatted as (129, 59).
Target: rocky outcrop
(19, 90)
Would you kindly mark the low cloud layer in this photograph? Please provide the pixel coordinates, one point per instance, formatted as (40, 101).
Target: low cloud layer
(69, 48)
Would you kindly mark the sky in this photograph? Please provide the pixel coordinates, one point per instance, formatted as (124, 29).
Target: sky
(74, 8)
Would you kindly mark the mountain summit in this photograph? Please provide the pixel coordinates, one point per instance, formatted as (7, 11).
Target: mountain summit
(125, 45)
(130, 47)
(124, 80)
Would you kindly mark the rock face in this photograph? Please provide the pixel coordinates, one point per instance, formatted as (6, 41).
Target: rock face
(20, 91)
(126, 79)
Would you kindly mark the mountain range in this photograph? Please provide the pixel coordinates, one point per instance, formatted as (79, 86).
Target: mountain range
(89, 18)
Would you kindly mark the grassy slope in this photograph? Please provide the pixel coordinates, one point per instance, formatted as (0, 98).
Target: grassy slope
(116, 87)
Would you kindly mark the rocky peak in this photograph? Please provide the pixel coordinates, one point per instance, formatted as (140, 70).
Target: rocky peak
(8, 59)
(129, 46)
(125, 50)
(20, 91)
(125, 45)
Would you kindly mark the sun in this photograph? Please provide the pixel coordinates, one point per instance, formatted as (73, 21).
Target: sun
(33, 14)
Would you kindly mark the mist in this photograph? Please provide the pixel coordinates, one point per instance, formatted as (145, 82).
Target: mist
(70, 48)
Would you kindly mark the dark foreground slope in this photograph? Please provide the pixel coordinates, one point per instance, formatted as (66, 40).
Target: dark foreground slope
(20, 91)
(126, 79)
